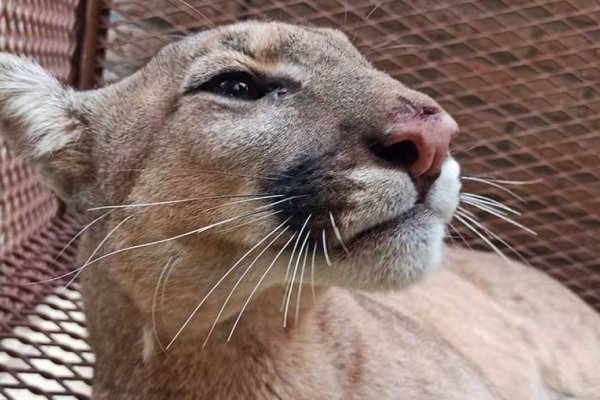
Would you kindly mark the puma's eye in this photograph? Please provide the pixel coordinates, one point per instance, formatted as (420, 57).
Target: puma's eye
(239, 85)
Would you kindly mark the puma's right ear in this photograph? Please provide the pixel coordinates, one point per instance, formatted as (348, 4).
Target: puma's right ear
(42, 121)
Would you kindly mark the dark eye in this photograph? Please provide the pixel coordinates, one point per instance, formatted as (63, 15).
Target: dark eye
(239, 85)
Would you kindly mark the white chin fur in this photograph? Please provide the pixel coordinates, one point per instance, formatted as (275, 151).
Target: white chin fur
(444, 195)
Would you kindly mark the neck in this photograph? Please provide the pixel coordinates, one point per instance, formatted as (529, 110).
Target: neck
(132, 354)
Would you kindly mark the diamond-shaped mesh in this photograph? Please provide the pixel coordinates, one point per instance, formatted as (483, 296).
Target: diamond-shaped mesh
(43, 353)
(521, 77)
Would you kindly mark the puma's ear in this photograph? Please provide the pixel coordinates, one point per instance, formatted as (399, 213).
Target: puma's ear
(42, 121)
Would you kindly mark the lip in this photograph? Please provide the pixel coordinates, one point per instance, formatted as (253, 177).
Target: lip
(391, 224)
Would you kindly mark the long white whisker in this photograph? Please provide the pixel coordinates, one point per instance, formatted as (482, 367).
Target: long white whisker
(77, 270)
(241, 278)
(229, 271)
(287, 271)
(299, 295)
(292, 279)
(251, 222)
(337, 233)
(516, 183)
(192, 232)
(262, 278)
(281, 201)
(275, 177)
(87, 262)
(494, 184)
(503, 217)
(312, 271)
(372, 11)
(449, 236)
(154, 299)
(475, 202)
(255, 197)
(461, 236)
(493, 235)
(166, 282)
(461, 218)
(196, 11)
(489, 201)
(325, 253)
(81, 232)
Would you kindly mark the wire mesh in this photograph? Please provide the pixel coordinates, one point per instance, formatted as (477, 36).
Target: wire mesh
(43, 353)
(522, 78)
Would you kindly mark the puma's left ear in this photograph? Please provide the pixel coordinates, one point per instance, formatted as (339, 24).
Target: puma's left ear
(42, 121)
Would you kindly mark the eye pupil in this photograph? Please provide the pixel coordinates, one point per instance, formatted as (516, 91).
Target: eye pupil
(235, 88)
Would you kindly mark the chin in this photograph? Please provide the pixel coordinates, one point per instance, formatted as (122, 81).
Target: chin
(395, 254)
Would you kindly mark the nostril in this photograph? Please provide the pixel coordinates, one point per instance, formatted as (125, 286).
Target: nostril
(403, 154)
(427, 111)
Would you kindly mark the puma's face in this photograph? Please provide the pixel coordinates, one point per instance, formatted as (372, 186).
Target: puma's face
(268, 133)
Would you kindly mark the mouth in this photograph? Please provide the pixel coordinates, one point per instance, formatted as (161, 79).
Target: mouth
(377, 230)
(439, 200)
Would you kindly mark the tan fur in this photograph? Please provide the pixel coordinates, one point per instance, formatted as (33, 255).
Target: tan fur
(382, 326)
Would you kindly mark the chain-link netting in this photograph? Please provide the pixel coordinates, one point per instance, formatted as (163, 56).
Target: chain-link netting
(43, 353)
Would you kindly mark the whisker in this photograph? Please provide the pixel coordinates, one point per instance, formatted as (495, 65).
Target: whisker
(461, 236)
(516, 183)
(345, 13)
(251, 222)
(241, 278)
(166, 282)
(494, 236)
(489, 201)
(80, 233)
(475, 202)
(255, 197)
(182, 235)
(298, 296)
(85, 264)
(385, 46)
(196, 11)
(337, 233)
(287, 271)
(449, 236)
(193, 171)
(325, 253)
(282, 201)
(262, 278)
(292, 279)
(461, 217)
(229, 271)
(372, 11)
(494, 184)
(154, 299)
(312, 271)
(491, 211)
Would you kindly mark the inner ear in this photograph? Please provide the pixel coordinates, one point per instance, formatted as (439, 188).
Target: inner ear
(41, 120)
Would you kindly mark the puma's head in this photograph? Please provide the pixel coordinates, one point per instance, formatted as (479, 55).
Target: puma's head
(247, 136)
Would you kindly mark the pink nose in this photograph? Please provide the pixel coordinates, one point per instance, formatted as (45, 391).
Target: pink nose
(421, 140)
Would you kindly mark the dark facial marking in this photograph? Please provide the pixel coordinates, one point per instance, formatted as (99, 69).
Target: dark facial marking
(315, 188)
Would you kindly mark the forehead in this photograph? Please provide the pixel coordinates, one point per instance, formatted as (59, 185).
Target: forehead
(269, 43)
